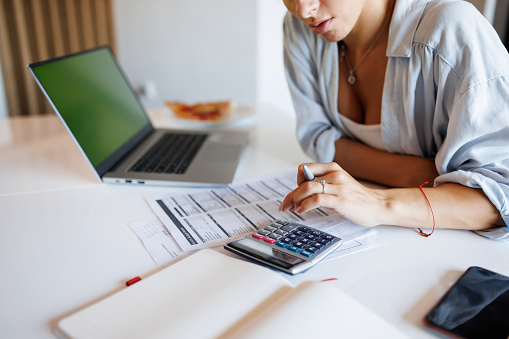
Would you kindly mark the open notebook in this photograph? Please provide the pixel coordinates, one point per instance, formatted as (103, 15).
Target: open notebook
(211, 295)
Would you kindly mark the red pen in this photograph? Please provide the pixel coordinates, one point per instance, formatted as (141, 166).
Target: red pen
(132, 281)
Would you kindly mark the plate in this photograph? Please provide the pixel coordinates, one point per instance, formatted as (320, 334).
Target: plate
(240, 114)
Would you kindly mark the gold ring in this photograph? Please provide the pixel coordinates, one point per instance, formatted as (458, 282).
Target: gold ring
(323, 186)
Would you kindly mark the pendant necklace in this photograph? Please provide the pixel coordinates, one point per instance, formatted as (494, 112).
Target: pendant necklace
(352, 79)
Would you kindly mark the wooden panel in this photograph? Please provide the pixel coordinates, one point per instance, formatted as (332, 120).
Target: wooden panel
(29, 86)
(72, 26)
(8, 67)
(87, 24)
(36, 30)
(101, 16)
(56, 28)
(41, 35)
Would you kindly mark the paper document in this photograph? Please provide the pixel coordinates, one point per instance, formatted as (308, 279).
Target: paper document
(211, 217)
(156, 239)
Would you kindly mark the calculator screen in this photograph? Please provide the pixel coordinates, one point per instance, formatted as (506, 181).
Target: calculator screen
(266, 253)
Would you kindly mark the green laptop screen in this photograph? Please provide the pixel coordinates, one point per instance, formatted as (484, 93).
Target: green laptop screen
(94, 99)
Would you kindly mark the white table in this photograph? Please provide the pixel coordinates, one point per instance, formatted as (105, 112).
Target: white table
(65, 241)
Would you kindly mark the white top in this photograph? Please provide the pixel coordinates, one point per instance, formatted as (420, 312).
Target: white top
(445, 96)
(370, 135)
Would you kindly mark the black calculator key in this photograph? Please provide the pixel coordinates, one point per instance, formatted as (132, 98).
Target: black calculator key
(281, 222)
(328, 237)
(287, 240)
(299, 244)
(317, 233)
(293, 236)
(317, 245)
(305, 240)
(304, 229)
(270, 228)
(311, 236)
(323, 241)
(312, 249)
(299, 233)
(263, 232)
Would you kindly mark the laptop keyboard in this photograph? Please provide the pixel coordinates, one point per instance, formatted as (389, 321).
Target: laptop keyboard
(173, 153)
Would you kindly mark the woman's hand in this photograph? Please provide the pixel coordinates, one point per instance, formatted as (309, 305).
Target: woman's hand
(341, 192)
(454, 205)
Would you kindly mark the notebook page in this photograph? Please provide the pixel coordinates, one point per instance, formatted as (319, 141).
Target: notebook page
(200, 296)
(325, 311)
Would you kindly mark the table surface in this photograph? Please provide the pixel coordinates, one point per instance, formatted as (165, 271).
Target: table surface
(66, 242)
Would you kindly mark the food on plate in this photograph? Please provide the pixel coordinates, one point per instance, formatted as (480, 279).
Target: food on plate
(211, 111)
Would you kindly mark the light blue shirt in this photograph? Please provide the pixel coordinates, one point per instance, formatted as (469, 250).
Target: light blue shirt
(446, 94)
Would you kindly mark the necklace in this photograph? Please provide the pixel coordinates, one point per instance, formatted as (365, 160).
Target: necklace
(352, 79)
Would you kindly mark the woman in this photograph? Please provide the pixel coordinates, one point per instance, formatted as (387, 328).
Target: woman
(400, 93)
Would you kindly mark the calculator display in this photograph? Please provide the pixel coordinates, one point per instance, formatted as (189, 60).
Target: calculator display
(266, 253)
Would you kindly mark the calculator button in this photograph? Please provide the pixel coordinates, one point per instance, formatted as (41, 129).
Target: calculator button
(317, 245)
(287, 240)
(275, 236)
(323, 241)
(305, 240)
(304, 229)
(258, 236)
(281, 232)
(306, 253)
(299, 244)
(269, 240)
(312, 249)
(281, 244)
(283, 223)
(263, 232)
(270, 228)
(299, 233)
(311, 236)
(317, 233)
(293, 249)
(288, 228)
(293, 236)
(328, 237)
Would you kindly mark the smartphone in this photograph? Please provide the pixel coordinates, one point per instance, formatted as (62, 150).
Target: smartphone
(476, 306)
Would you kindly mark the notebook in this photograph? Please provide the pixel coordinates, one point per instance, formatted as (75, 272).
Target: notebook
(93, 98)
(211, 295)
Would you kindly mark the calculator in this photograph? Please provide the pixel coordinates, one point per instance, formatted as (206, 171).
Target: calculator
(287, 246)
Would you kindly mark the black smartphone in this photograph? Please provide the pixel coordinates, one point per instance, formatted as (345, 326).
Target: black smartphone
(476, 306)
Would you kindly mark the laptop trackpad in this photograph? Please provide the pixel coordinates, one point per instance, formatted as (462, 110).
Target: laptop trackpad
(218, 152)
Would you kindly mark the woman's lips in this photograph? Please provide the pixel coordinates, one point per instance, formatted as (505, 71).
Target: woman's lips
(321, 27)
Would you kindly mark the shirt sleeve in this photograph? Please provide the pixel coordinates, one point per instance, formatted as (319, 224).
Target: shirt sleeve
(475, 152)
(315, 132)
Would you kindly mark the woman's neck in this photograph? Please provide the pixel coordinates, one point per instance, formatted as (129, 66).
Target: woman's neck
(373, 18)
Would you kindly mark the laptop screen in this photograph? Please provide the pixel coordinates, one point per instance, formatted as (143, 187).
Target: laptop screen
(92, 96)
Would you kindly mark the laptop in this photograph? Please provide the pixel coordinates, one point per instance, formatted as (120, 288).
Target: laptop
(96, 103)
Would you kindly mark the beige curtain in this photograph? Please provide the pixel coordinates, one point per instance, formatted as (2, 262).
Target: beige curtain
(36, 30)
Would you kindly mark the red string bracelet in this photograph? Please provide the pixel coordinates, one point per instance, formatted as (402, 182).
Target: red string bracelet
(432, 214)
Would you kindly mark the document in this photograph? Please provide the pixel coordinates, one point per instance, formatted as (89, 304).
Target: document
(157, 241)
(163, 248)
(211, 217)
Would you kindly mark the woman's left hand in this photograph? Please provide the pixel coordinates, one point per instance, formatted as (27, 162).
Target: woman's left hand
(341, 192)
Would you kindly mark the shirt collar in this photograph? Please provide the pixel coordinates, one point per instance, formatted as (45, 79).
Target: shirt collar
(405, 19)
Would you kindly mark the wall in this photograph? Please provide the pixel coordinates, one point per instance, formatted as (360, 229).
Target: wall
(193, 50)
(271, 81)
